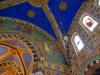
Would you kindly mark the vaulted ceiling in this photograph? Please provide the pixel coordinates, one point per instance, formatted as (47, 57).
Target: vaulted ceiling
(62, 10)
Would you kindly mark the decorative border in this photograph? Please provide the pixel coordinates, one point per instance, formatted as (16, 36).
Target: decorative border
(22, 34)
(34, 27)
(12, 65)
(89, 63)
(74, 45)
(13, 35)
(59, 67)
(84, 7)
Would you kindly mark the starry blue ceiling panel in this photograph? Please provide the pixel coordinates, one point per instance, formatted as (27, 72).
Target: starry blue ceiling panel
(21, 12)
(64, 18)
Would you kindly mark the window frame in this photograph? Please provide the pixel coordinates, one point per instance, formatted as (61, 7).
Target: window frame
(77, 51)
(84, 27)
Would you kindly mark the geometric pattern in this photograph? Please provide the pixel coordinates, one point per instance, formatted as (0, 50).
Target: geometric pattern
(89, 63)
(13, 65)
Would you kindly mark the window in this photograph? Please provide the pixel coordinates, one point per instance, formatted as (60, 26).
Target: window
(99, 2)
(77, 43)
(89, 22)
(38, 73)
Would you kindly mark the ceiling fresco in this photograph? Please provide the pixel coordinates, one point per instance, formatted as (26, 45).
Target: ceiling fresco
(52, 52)
(49, 37)
(62, 10)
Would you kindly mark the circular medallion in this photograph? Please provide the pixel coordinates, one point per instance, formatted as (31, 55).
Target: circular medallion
(63, 6)
(31, 14)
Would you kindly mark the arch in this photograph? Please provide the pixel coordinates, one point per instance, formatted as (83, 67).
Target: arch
(26, 28)
(7, 41)
(88, 22)
(10, 67)
(34, 37)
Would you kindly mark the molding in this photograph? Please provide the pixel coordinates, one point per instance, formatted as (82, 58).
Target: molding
(8, 3)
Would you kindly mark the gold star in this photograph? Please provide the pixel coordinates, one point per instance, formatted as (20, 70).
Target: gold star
(63, 6)
(31, 14)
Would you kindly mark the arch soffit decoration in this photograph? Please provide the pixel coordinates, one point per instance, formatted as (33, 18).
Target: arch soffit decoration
(34, 28)
(24, 35)
(45, 34)
(92, 60)
(14, 36)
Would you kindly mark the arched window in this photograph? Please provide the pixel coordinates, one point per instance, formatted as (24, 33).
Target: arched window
(97, 3)
(88, 22)
(77, 42)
